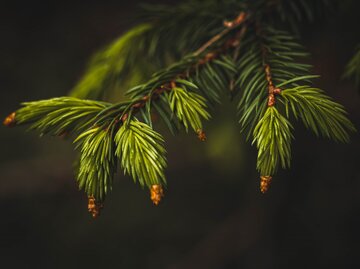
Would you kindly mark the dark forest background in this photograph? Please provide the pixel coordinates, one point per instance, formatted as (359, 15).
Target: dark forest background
(213, 215)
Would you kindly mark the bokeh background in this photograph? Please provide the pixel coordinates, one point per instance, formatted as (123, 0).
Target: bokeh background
(213, 215)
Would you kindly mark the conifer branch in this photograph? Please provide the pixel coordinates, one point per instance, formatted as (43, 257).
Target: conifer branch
(97, 162)
(141, 152)
(318, 112)
(59, 115)
(230, 25)
(272, 136)
(260, 65)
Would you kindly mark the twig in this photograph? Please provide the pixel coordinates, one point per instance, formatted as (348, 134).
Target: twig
(234, 42)
(230, 26)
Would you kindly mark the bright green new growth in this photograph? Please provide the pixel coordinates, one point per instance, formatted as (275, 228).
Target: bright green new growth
(189, 107)
(272, 136)
(318, 112)
(142, 153)
(58, 116)
(242, 59)
(97, 162)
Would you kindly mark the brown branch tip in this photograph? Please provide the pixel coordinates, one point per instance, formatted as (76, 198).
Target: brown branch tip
(94, 207)
(156, 193)
(265, 182)
(10, 120)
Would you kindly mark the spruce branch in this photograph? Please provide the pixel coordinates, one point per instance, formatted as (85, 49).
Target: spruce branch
(230, 25)
(235, 49)
(59, 115)
(189, 108)
(318, 112)
(141, 153)
(272, 136)
(97, 162)
(162, 36)
(270, 58)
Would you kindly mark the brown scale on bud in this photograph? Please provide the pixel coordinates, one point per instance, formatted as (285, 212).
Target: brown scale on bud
(272, 93)
(201, 135)
(208, 57)
(277, 91)
(156, 193)
(228, 24)
(271, 100)
(94, 207)
(10, 120)
(265, 182)
(125, 117)
(238, 20)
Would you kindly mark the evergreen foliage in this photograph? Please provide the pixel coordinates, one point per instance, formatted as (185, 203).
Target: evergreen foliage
(353, 68)
(97, 162)
(205, 51)
(318, 112)
(141, 152)
(60, 115)
(273, 137)
(188, 107)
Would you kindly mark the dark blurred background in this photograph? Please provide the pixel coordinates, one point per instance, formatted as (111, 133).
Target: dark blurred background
(213, 215)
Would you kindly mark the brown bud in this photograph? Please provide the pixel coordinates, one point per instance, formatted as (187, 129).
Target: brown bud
(271, 100)
(138, 105)
(277, 91)
(265, 182)
(210, 56)
(240, 18)
(201, 135)
(172, 84)
(94, 207)
(125, 117)
(228, 24)
(10, 120)
(156, 193)
(145, 98)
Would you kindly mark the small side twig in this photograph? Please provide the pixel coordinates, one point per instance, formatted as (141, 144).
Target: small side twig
(230, 25)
